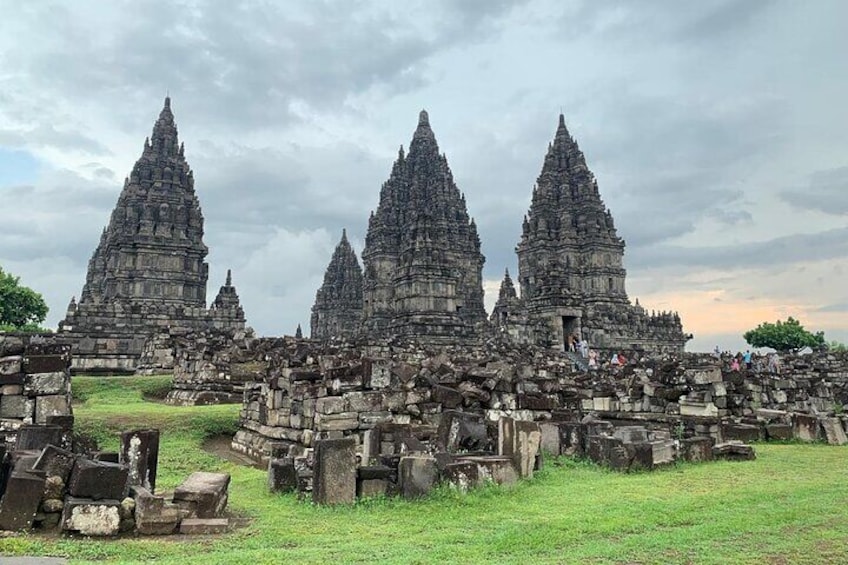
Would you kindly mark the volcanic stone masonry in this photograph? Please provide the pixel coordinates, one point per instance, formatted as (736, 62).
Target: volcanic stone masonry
(423, 265)
(148, 273)
(326, 391)
(338, 305)
(35, 388)
(570, 268)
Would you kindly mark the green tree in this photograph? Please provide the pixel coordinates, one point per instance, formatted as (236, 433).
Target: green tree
(21, 308)
(837, 347)
(783, 336)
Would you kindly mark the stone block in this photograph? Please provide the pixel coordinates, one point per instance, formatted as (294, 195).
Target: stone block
(663, 452)
(331, 405)
(417, 475)
(140, 452)
(446, 396)
(571, 439)
(551, 438)
(336, 422)
(733, 451)
(20, 501)
(38, 437)
(462, 431)
(199, 526)
(91, 517)
(493, 468)
(697, 449)
(53, 405)
(833, 431)
(49, 362)
(334, 471)
(631, 434)
(805, 427)
(704, 375)
(203, 494)
(98, 480)
(778, 431)
(17, 407)
(364, 401)
(40, 384)
(740, 432)
(641, 455)
(528, 440)
(368, 488)
(106, 456)
(282, 476)
(463, 475)
(55, 462)
(11, 365)
(694, 408)
(153, 514)
(370, 419)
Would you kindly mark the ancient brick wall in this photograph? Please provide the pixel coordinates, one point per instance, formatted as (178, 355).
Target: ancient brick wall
(35, 382)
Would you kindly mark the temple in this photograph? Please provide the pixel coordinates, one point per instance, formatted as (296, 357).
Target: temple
(570, 268)
(423, 265)
(148, 273)
(338, 304)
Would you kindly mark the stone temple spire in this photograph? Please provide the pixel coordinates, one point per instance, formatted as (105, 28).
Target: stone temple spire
(569, 245)
(227, 297)
(507, 289)
(423, 266)
(338, 304)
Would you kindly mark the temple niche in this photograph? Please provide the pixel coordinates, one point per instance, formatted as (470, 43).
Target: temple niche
(148, 273)
(571, 269)
(422, 259)
(338, 303)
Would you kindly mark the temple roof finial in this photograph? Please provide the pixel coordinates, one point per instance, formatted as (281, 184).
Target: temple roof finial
(167, 101)
(229, 278)
(423, 118)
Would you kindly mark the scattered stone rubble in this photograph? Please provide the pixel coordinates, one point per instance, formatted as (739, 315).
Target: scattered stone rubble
(50, 484)
(643, 415)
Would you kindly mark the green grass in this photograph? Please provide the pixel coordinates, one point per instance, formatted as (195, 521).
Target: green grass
(788, 506)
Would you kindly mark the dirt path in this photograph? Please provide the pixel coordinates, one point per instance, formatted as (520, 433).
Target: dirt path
(219, 446)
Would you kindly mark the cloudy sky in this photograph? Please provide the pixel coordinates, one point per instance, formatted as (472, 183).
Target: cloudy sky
(716, 129)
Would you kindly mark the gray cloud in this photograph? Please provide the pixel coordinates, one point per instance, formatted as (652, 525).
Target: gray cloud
(827, 192)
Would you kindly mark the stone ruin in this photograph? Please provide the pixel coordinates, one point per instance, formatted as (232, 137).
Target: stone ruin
(148, 273)
(385, 401)
(51, 478)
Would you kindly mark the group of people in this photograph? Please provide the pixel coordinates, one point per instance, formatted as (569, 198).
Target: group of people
(581, 346)
(769, 363)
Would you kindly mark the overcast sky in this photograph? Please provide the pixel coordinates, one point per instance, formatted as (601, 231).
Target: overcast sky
(716, 129)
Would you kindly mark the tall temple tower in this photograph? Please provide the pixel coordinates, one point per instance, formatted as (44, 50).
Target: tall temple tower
(148, 272)
(338, 304)
(570, 266)
(423, 265)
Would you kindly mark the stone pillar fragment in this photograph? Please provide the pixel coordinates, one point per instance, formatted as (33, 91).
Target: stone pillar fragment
(334, 480)
(417, 475)
(20, 501)
(140, 451)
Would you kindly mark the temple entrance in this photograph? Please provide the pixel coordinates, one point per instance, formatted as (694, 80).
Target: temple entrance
(570, 330)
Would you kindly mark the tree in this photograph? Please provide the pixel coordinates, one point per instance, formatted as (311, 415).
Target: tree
(783, 336)
(837, 347)
(21, 308)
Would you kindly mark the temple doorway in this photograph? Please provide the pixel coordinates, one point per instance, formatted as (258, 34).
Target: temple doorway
(570, 330)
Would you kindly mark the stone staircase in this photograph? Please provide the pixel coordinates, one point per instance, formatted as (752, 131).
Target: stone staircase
(581, 362)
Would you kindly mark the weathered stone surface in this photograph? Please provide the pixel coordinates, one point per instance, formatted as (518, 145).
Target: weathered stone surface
(148, 271)
(334, 480)
(570, 268)
(38, 437)
(733, 451)
(46, 383)
(282, 476)
(779, 431)
(463, 475)
(91, 517)
(17, 407)
(199, 526)
(203, 494)
(55, 462)
(493, 468)
(417, 475)
(805, 427)
(697, 449)
(20, 501)
(98, 480)
(833, 431)
(140, 452)
(337, 311)
(53, 405)
(423, 266)
(11, 365)
(740, 432)
(551, 438)
(153, 514)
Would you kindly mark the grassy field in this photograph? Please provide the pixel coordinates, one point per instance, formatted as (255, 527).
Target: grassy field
(788, 506)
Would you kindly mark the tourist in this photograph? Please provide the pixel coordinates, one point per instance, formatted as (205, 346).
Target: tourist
(734, 365)
(593, 360)
(614, 360)
(747, 359)
(584, 348)
(571, 342)
(622, 360)
(717, 352)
